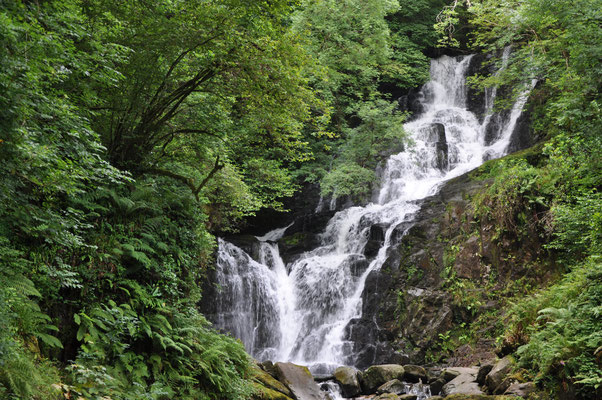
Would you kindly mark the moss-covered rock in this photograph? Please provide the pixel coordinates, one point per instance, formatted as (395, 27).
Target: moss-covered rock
(377, 375)
(268, 381)
(349, 380)
(265, 393)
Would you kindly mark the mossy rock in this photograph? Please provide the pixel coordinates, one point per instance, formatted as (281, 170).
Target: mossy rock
(377, 375)
(265, 393)
(460, 396)
(268, 381)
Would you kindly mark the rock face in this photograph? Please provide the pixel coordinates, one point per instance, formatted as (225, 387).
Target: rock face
(405, 303)
(348, 380)
(299, 380)
(440, 142)
(464, 383)
(377, 375)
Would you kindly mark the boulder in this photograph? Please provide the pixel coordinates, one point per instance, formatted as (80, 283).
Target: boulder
(395, 386)
(299, 380)
(377, 375)
(520, 389)
(269, 382)
(497, 374)
(348, 380)
(460, 396)
(268, 367)
(415, 373)
(484, 369)
(408, 397)
(502, 387)
(449, 374)
(465, 383)
(265, 393)
(387, 396)
(437, 385)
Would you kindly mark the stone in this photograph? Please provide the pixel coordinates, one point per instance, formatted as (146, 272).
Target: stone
(267, 380)
(449, 374)
(377, 375)
(387, 396)
(265, 393)
(465, 383)
(437, 385)
(348, 380)
(268, 367)
(415, 373)
(484, 369)
(395, 386)
(502, 387)
(460, 396)
(299, 380)
(408, 397)
(520, 389)
(498, 373)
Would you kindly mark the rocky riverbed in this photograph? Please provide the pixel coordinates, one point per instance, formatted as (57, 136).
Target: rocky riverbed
(494, 379)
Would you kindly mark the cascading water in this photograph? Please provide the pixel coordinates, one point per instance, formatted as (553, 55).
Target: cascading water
(298, 312)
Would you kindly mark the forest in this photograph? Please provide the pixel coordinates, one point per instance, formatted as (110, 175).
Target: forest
(135, 133)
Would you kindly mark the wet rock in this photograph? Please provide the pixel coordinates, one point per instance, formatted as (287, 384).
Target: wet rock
(395, 386)
(465, 383)
(358, 264)
(323, 377)
(414, 374)
(520, 389)
(484, 369)
(348, 380)
(375, 240)
(475, 99)
(293, 245)
(377, 375)
(299, 380)
(497, 374)
(411, 102)
(408, 397)
(248, 243)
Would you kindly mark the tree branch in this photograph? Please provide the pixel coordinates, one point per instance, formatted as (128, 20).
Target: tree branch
(195, 189)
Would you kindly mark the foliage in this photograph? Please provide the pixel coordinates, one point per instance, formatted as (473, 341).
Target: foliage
(557, 43)
(564, 326)
(348, 180)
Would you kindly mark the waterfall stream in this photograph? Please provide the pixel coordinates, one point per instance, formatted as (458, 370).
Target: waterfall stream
(298, 312)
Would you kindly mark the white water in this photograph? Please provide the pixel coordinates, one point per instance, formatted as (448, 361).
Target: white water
(299, 312)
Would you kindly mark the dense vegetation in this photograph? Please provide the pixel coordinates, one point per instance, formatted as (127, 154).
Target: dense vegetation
(555, 334)
(132, 132)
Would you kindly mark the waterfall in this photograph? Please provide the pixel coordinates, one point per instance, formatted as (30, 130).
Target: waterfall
(299, 311)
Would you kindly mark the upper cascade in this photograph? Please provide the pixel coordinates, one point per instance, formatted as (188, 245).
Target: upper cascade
(301, 311)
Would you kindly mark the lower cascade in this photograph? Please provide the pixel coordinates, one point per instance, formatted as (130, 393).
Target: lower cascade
(299, 311)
